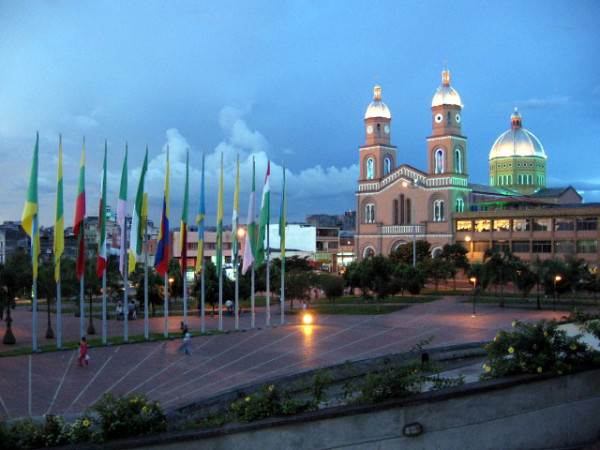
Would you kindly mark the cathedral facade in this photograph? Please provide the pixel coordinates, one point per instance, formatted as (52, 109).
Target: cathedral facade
(398, 204)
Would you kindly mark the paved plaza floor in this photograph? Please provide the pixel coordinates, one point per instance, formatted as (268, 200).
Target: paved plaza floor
(222, 361)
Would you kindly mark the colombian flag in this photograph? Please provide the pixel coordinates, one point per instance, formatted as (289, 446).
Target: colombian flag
(29, 219)
(161, 259)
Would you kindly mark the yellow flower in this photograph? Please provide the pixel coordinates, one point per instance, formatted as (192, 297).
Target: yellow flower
(86, 423)
(487, 368)
(545, 334)
(511, 350)
(514, 323)
(247, 399)
(145, 410)
(271, 388)
(573, 346)
(539, 370)
(495, 338)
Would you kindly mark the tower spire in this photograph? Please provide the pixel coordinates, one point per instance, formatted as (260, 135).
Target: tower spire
(515, 119)
(445, 77)
(377, 93)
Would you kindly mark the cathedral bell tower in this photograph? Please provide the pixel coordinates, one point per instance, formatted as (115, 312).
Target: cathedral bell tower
(377, 155)
(446, 147)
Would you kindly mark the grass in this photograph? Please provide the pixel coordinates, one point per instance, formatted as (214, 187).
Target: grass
(396, 299)
(354, 309)
(547, 302)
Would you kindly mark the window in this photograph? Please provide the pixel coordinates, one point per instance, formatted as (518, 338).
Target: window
(464, 225)
(520, 246)
(542, 224)
(587, 223)
(521, 225)
(369, 213)
(501, 225)
(587, 246)
(564, 247)
(458, 163)
(460, 205)
(438, 210)
(387, 165)
(401, 209)
(519, 179)
(500, 246)
(368, 252)
(541, 246)
(510, 179)
(564, 224)
(483, 225)
(439, 161)
(370, 169)
(408, 214)
(395, 212)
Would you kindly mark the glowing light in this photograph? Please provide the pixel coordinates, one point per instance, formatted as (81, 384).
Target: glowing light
(171, 280)
(557, 278)
(473, 280)
(468, 238)
(308, 319)
(241, 233)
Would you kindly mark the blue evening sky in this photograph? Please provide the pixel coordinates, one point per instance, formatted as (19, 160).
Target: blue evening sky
(288, 81)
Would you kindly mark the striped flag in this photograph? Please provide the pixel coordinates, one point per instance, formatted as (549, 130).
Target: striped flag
(220, 222)
(235, 215)
(136, 236)
(30, 219)
(80, 217)
(102, 255)
(265, 216)
(200, 222)
(250, 242)
(161, 259)
(59, 221)
(184, 217)
(122, 213)
(282, 222)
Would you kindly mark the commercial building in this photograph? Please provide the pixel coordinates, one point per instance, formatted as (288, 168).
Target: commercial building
(398, 203)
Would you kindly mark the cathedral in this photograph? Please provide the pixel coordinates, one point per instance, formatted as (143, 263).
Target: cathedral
(398, 203)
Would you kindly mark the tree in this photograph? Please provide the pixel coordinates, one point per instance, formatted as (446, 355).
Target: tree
(438, 269)
(298, 284)
(500, 268)
(15, 279)
(332, 285)
(381, 271)
(455, 254)
(155, 287)
(404, 253)
(174, 274)
(525, 280)
(407, 277)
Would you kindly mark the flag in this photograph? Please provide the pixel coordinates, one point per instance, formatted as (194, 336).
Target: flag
(250, 242)
(59, 222)
(184, 217)
(136, 236)
(122, 213)
(235, 215)
(80, 217)
(102, 256)
(265, 206)
(161, 259)
(220, 222)
(282, 214)
(29, 219)
(200, 222)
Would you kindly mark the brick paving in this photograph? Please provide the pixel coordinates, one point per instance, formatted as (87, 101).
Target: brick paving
(220, 362)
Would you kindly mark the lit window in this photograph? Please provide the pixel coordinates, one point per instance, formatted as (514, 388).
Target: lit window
(460, 205)
(370, 169)
(464, 225)
(439, 161)
(438, 210)
(501, 225)
(483, 225)
(369, 213)
(458, 163)
(387, 165)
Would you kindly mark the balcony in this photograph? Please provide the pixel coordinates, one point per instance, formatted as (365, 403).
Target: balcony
(408, 230)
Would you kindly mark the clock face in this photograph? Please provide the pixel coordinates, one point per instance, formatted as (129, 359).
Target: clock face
(386, 129)
(438, 118)
(370, 129)
(457, 117)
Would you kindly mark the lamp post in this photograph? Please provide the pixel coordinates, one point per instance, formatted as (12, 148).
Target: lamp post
(468, 239)
(171, 281)
(474, 281)
(557, 279)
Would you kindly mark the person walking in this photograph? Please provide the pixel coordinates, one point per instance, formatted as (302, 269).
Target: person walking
(84, 357)
(187, 343)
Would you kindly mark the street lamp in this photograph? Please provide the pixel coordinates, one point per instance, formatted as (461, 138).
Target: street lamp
(474, 281)
(557, 279)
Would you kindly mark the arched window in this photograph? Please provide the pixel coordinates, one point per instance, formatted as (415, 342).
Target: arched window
(369, 213)
(408, 215)
(510, 179)
(530, 179)
(401, 209)
(368, 252)
(370, 169)
(460, 205)
(378, 130)
(439, 161)
(395, 212)
(519, 179)
(458, 162)
(387, 165)
(438, 210)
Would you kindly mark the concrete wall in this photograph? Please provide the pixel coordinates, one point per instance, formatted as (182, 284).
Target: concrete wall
(518, 413)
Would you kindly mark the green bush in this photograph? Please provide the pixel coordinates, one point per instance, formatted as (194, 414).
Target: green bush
(261, 405)
(535, 349)
(129, 416)
(593, 326)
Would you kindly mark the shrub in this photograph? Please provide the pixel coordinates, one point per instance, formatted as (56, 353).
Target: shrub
(261, 405)
(593, 326)
(535, 349)
(129, 416)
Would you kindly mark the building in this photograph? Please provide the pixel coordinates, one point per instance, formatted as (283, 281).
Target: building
(345, 222)
(398, 203)
(12, 239)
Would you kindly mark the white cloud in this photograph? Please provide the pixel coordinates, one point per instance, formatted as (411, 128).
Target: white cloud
(543, 103)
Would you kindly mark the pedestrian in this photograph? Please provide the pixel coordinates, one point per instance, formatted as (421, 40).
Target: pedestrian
(119, 311)
(84, 357)
(187, 343)
(184, 329)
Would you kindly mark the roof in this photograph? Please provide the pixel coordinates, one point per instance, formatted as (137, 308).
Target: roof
(554, 192)
(492, 190)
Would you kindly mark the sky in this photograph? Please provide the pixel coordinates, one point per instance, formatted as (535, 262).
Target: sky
(286, 81)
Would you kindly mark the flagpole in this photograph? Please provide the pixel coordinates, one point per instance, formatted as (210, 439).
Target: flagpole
(252, 312)
(146, 320)
(185, 298)
(221, 299)
(268, 319)
(202, 302)
(282, 296)
(125, 290)
(58, 316)
(81, 304)
(237, 291)
(104, 324)
(166, 305)
(34, 324)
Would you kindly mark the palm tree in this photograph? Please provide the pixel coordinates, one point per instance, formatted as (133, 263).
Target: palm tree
(500, 268)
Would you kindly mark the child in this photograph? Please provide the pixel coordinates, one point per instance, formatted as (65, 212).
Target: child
(83, 352)
(187, 342)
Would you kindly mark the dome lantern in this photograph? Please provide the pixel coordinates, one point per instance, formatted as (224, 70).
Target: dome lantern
(446, 94)
(515, 119)
(377, 109)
